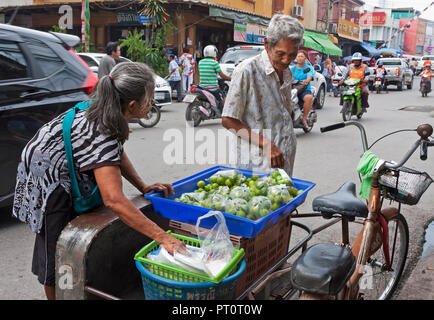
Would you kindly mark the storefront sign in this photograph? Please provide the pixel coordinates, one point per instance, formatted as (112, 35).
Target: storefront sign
(373, 19)
(127, 17)
(348, 29)
(249, 32)
(420, 33)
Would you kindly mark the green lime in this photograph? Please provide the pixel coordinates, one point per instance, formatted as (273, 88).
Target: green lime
(255, 177)
(215, 186)
(251, 184)
(221, 180)
(299, 192)
(213, 179)
(228, 182)
(263, 212)
(241, 213)
(251, 216)
(201, 184)
(274, 206)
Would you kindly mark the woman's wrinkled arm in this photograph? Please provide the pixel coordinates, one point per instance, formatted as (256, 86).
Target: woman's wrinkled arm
(109, 182)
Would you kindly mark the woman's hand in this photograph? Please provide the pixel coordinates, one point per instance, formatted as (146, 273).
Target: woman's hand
(306, 81)
(171, 244)
(160, 187)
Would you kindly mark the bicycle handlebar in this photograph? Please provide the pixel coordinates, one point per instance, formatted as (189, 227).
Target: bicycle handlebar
(424, 132)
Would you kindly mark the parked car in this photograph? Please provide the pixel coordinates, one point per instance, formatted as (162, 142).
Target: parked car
(398, 73)
(163, 92)
(423, 60)
(41, 76)
(234, 55)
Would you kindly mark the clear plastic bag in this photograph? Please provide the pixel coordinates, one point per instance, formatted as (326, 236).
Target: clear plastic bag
(193, 197)
(217, 247)
(259, 207)
(279, 194)
(238, 207)
(217, 201)
(242, 192)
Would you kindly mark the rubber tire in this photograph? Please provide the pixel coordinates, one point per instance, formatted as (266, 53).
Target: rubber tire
(320, 96)
(410, 86)
(399, 86)
(347, 105)
(401, 218)
(188, 111)
(156, 110)
(378, 90)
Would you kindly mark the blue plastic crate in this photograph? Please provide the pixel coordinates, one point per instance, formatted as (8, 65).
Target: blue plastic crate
(244, 227)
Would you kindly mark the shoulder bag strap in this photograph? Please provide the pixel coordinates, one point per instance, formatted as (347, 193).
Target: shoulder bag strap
(66, 130)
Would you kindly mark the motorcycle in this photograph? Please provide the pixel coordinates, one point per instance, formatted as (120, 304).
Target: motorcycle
(424, 85)
(298, 110)
(352, 96)
(337, 88)
(151, 119)
(378, 85)
(202, 105)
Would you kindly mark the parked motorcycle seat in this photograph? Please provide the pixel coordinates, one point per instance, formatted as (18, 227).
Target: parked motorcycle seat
(343, 202)
(324, 268)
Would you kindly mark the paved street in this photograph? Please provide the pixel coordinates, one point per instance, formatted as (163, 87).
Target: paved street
(328, 159)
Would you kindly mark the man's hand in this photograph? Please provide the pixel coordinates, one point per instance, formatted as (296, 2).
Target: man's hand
(274, 155)
(306, 81)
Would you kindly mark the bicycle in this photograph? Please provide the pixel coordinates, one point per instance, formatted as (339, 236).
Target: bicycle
(333, 271)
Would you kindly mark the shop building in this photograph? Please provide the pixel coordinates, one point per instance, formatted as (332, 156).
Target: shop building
(341, 20)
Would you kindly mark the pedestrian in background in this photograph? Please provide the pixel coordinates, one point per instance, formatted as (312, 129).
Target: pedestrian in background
(187, 62)
(113, 51)
(174, 77)
(328, 73)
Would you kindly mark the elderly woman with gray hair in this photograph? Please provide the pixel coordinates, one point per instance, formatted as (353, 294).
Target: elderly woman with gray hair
(44, 193)
(258, 105)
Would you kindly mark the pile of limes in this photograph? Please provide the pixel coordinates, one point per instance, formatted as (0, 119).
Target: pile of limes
(251, 198)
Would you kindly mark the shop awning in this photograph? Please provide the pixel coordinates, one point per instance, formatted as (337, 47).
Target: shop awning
(372, 51)
(390, 51)
(320, 42)
(234, 15)
(310, 43)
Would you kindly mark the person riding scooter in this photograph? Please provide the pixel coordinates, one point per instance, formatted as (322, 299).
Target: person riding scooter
(426, 75)
(358, 70)
(380, 72)
(209, 68)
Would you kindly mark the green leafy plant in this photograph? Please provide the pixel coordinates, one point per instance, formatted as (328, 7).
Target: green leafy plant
(155, 56)
(154, 9)
(55, 28)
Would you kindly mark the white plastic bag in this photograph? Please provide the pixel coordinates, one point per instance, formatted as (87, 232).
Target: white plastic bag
(217, 247)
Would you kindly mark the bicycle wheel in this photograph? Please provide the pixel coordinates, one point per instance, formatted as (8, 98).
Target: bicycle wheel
(151, 119)
(378, 283)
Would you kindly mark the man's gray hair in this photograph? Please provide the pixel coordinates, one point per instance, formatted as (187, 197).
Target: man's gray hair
(282, 27)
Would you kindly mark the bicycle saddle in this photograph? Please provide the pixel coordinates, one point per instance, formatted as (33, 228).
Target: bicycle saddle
(343, 202)
(324, 268)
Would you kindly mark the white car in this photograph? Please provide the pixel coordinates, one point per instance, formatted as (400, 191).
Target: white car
(163, 92)
(234, 55)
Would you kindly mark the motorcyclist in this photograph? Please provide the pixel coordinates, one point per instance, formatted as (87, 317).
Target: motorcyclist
(380, 72)
(298, 73)
(209, 68)
(358, 70)
(427, 73)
